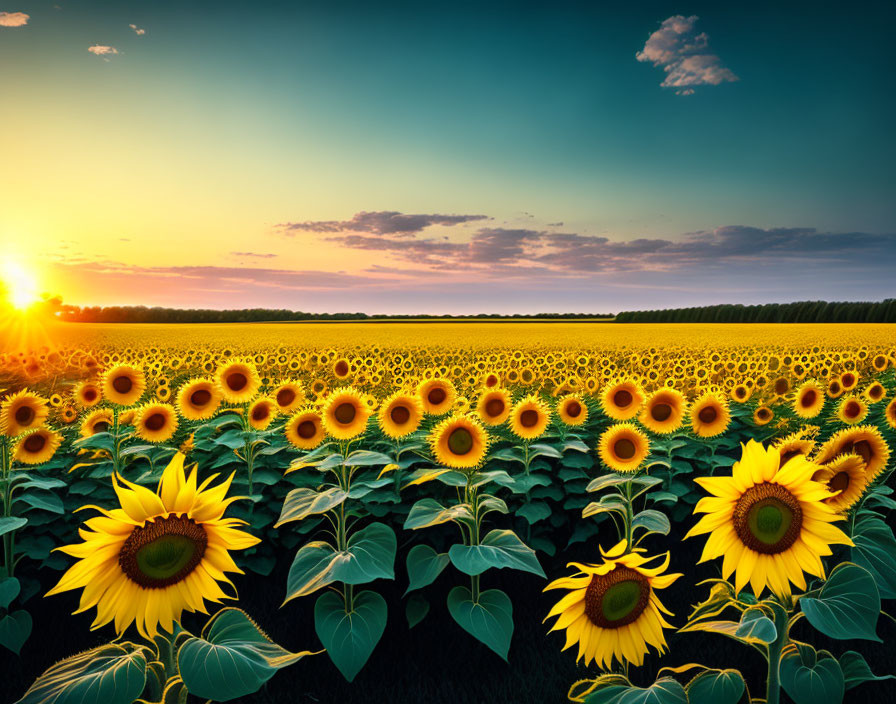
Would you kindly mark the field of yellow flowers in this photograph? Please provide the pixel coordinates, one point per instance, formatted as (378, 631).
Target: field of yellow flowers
(340, 458)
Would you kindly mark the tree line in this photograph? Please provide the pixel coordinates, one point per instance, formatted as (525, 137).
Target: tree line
(800, 312)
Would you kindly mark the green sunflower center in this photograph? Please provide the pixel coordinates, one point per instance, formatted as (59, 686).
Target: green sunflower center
(768, 518)
(460, 441)
(163, 552)
(618, 598)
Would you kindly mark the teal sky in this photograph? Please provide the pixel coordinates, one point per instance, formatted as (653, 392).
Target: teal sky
(229, 147)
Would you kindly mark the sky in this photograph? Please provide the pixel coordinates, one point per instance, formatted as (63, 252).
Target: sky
(448, 157)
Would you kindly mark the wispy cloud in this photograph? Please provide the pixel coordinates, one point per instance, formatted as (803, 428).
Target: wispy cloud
(386, 222)
(685, 56)
(137, 30)
(13, 19)
(257, 255)
(102, 50)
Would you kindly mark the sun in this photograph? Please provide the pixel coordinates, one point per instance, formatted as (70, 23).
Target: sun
(20, 283)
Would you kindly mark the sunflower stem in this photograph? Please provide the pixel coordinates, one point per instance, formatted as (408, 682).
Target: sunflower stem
(5, 464)
(773, 684)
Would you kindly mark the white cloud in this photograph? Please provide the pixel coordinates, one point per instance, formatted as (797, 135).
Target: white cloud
(101, 50)
(685, 56)
(13, 19)
(137, 30)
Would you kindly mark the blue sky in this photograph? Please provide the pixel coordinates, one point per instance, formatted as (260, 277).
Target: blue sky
(237, 129)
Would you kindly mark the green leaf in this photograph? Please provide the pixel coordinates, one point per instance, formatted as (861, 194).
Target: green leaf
(232, 659)
(856, 670)
(113, 673)
(716, 687)
(43, 500)
(11, 523)
(607, 504)
(539, 449)
(756, 626)
(416, 609)
(500, 548)
(370, 555)
(875, 550)
(489, 620)
(424, 565)
(821, 683)
(429, 512)
(652, 521)
(489, 503)
(15, 628)
(605, 480)
(847, 605)
(664, 691)
(350, 637)
(303, 502)
(534, 511)
(9, 590)
(366, 458)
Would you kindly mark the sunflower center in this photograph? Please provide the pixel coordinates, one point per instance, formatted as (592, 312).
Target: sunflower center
(624, 449)
(862, 448)
(494, 407)
(24, 415)
(35, 443)
(618, 598)
(529, 418)
(341, 368)
(100, 427)
(661, 411)
(622, 398)
(839, 482)
(436, 396)
(848, 380)
(260, 412)
(763, 413)
(155, 422)
(768, 518)
(345, 413)
(306, 429)
(573, 409)
(781, 386)
(400, 415)
(492, 380)
(707, 415)
(163, 552)
(285, 397)
(237, 381)
(89, 394)
(852, 410)
(460, 441)
(809, 398)
(200, 397)
(122, 384)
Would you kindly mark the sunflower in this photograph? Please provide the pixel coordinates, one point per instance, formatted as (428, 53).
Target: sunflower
(155, 422)
(849, 380)
(68, 415)
(342, 369)
(198, 399)
(835, 388)
(400, 415)
(664, 411)
(261, 413)
(852, 410)
(865, 441)
(437, 395)
(623, 448)
(459, 442)
(305, 430)
(88, 394)
(37, 446)
(491, 380)
(709, 416)
(159, 554)
(875, 392)
(494, 406)
(741, 393)
(238, 381)
(124, 384)
(763, 415)
(795, 444)
(572, 410)
(345, 414)
(289, 396)
(612, 610)
(769, 522)
(22, 412)
(529, 417)
(809, 399)
(622, 400)
(890, 414)
(98, 421)
(846, 478)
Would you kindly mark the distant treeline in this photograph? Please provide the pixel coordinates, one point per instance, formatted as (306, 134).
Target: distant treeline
(142, 314)
(801, 312)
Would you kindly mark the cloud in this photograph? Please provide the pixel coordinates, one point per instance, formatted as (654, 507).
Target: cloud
(101, 50)
(137, 30)
(267, 255)
(13, 19)
(685, 56)
(385, 222)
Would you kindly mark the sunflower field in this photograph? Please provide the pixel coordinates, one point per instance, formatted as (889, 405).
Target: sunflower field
(664, 514)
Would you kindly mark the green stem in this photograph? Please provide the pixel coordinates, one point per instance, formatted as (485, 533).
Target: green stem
(773, 684)
(5, 465)
(629, 516)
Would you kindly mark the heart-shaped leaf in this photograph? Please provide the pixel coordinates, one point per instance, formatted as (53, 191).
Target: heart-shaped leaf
(416, 609)
(716, 687)
(856, 670)
(424, 565)
(756, 626)
(664, 691)
(489, 619)
(429, 512)
(350, 636)
(500, 548)
(875, 550)
(303, 502)
(9, 590)
(15, 628)
(822, 683)
(847, 605)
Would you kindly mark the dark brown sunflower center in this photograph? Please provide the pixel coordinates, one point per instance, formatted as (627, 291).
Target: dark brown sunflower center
(491, 380)
(341, 368)
(101, 427)
(848, 380)
(122, 384)
(764, 413)
(89, 394)
(618, 598)
(862, 448)
(660, 412)
(460, 441)
(285, 397)
(24, 415)
(624, 449)
(200, 397)
(400, 415)
(529, 418)
(708, 414)
(237, 381)
(345, 413)
(573, 409)
(156, 421)
(768, 518)
(876, 392)
(306, 429)
(781, 386)
(839, 482)
(740, 392)
(436, 396)
(852, 409)
(494, 407)
(163, 552)
(808, 399)
(35, 443)
(260, 412)
(835, 387)
(623, 398)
